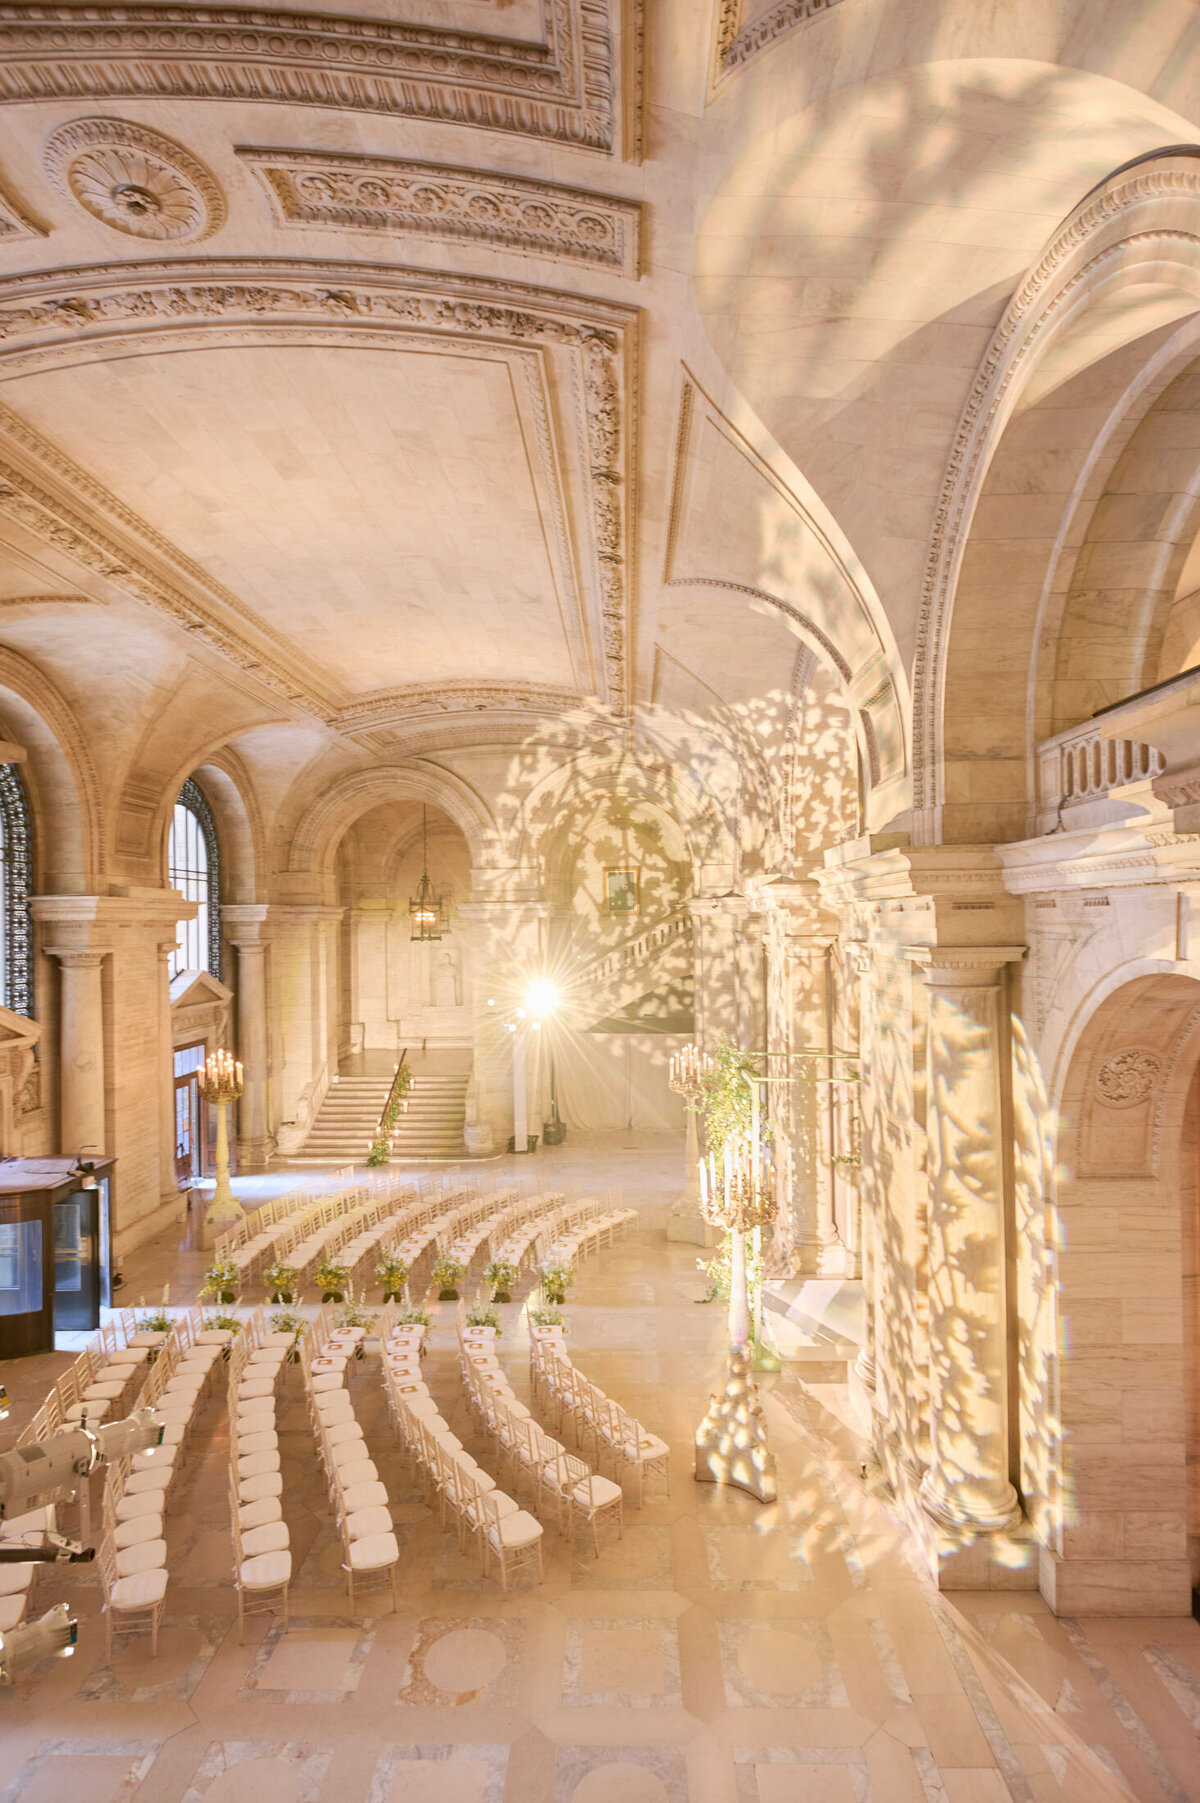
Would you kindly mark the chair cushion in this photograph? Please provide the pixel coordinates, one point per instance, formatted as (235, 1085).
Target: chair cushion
(648, 1446)
(354, 1471)
(257, 1514)
(602, 1492)
(15, 1578)
(266, 1570)
(95, 1411)
(132, 1505)
(255, 1386)
(12, 1608)
(268, 1355)
(322, 1382)
(254, 1464)
(256, 1407)
(266, 1441)
(134, 1531)
(140, 1590)
(253, 1489)
(338, 1432)
(154, 1458)
(334, 1405)
(130, 1355)
(102, 1392)
(270, 1340)
(361, 1524)
(364, 1496)
(272, 1537)
(147, 1340)
(373, 1552)
(519, 1529)
(148, 1556)
(215, 1336)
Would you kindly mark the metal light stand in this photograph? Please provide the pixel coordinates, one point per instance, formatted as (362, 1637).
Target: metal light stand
(731, 1441)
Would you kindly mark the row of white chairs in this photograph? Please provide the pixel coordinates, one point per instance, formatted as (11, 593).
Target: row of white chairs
(506, 1537)
(357, 1495)
(615, 1437)
(563, 1488)
(262, 1556)
(568, 1232)
(277, 1209)
(406, 1235)
(101, 1379)
(255, 1243)
(132, 1551)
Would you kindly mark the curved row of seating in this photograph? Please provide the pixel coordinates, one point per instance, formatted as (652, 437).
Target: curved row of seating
(262, 1557)
(570, 1232)
(132, 1551)
(563, 1487)
(370, 1550)
(506, 1537)
(616, 1437)
(100, 1381)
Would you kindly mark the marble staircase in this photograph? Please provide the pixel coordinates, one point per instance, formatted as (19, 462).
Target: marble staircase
(430, 1128)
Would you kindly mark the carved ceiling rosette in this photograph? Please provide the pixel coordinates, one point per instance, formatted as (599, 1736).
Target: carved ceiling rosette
(135, 180)
(1128, 1078)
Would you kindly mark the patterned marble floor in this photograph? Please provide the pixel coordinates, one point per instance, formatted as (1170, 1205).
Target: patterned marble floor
(719, 1653)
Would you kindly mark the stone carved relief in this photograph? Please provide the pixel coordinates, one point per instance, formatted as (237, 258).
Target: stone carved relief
(1127, 1079)
(356, 305)
(736, 46)
(15, 223)
(10, 602)
(432, 200)
(1047, 289)
(561, 89)
(134, 180)
(400, 706)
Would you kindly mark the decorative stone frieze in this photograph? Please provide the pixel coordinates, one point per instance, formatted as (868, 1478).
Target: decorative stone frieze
(134, 180)
(736, 45)
(561, 88)
(434, 200)
(15, 223)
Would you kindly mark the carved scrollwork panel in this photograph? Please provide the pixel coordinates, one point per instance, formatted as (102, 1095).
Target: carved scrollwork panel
(1128, 1078)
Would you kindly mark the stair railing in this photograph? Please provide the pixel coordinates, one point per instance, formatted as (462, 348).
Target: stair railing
(395, 1094)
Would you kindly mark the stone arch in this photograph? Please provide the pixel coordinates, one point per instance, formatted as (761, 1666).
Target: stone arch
(1123, 1244)
(313, 840)
(60, 776)
(227, 784)
(1135, 237)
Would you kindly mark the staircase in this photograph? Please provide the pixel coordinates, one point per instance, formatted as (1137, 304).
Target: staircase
(430, 1128)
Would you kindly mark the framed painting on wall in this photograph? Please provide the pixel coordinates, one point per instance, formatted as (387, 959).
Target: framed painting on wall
(622, 891)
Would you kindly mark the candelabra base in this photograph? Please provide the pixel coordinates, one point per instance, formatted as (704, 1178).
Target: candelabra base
(686, 1223)
(731, 1441)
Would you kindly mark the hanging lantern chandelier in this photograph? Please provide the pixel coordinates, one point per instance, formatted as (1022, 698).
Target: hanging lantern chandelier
(426, 909)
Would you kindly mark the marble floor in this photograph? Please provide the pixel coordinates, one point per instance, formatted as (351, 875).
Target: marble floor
(720, 1652)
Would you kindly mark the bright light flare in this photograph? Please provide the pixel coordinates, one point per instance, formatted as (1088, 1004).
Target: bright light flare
(542, 998)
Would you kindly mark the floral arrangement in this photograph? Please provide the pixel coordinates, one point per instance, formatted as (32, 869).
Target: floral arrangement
(546, 1317)
(381, 1145)
(282, 1321)
(392, 1273)
(332, 1277)
(353, 1314)
(556, 1278)
(221, 1281)
(501, 1275)
(158, 1321)
(227, 1323)
(280, 1280)
(448, 1273)
(413, 1317)
(479, 1316)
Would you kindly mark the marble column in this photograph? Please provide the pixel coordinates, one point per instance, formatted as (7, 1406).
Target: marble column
(168, 1183)
(245, 929)
(967, 1484)
(81, 1051)
(859, 960)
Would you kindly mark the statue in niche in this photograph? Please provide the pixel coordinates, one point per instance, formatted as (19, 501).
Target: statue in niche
(445, 982)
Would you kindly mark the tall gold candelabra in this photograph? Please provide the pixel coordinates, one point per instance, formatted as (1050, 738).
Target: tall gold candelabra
(221, 1083)
(731, 1441)
(689, 1067)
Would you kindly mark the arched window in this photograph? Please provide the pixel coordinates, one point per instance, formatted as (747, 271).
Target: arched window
(16, 860)
(193, 866)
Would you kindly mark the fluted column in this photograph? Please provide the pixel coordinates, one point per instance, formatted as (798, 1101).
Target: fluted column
(245, 929)
(967, 1482)
(81, 1051)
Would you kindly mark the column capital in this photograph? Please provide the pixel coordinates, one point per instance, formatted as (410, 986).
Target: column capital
(74, 958)
(963, 966)
(245, 924)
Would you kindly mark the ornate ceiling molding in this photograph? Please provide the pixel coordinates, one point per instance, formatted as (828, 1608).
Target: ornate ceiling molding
(134, 180)
(1060, 278)
(166, 305)
(434, 200)
(562, 89)
(736, 45)
(15, 223)
(381, 722)
(10, 603)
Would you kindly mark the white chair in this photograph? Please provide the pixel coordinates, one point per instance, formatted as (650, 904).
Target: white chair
(133, 1603)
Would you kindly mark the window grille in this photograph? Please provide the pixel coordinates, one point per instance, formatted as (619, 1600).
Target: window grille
(193, 867)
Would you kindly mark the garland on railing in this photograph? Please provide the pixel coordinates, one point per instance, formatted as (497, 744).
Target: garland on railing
(381, 1145)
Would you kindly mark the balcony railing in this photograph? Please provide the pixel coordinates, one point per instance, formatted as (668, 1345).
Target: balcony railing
(1079, 766)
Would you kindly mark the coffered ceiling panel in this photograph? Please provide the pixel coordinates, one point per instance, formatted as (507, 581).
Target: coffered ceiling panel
(381, 512)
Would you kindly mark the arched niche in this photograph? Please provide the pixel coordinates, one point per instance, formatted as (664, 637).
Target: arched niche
(60, 778)
(1114, 1398)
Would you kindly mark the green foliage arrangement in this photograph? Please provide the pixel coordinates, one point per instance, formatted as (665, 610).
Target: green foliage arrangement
(448, 1273)
(479, 1316)
(392, 1273)
(381, 1145)
(280, 1281)
(332, 1277)
(501, 1275)
(284, 1322)
(227, 1323)
(547, 1317)
(725, 1102)
(556, 1278)
(413, 1317)
(221, 1281)
(158, 1321)
(353, 1314)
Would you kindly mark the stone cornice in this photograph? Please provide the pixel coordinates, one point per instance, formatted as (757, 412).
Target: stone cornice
(422, 701)
(86, 923)
(168, 303)
(562, 89)
(341, 192)
(736, 45)
(1128, 856)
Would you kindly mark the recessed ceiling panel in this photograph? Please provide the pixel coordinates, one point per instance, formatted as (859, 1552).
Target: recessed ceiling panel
(377, 509)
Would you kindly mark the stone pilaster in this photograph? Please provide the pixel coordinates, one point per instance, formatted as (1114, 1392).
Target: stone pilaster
(82, 1123)
(245, 927)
